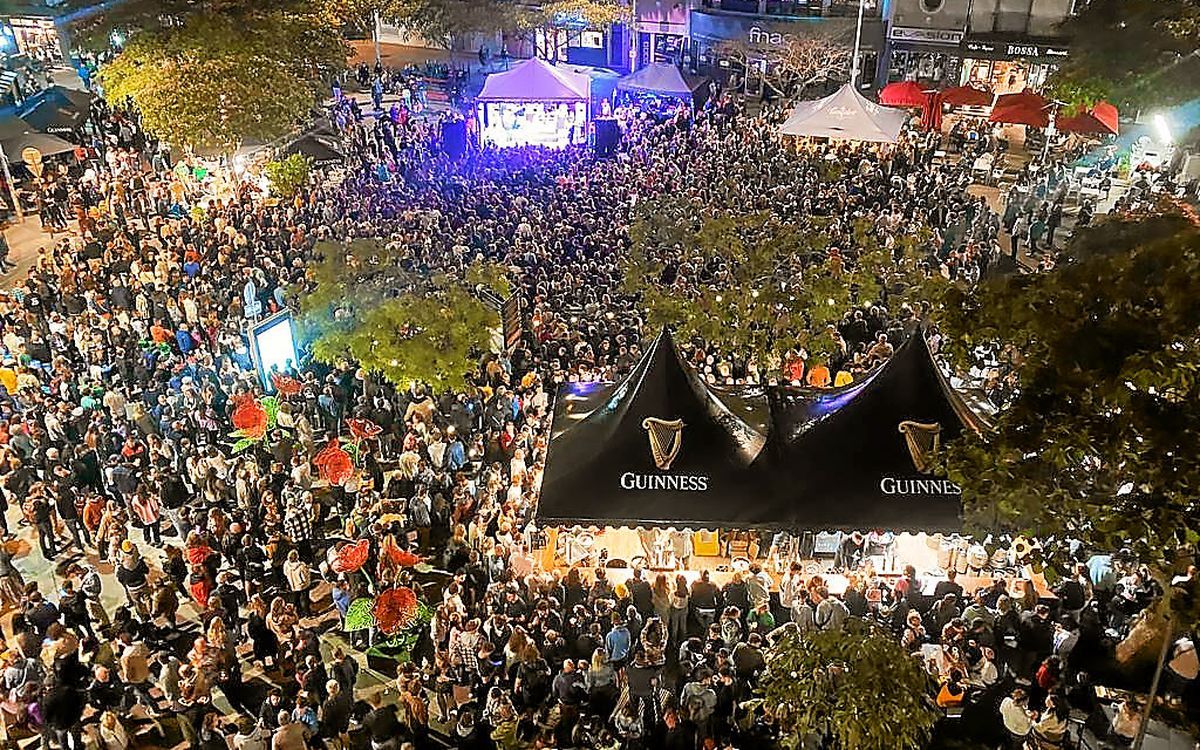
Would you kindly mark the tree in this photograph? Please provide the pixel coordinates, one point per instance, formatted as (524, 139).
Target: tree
(362, 305)
(798, 62)
(289, 174)
(217, 79)
(782, 286)
(1157, 62)
(1097, 443)
(855, 687)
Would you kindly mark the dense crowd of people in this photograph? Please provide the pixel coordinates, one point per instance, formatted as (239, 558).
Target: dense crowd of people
(195, 582)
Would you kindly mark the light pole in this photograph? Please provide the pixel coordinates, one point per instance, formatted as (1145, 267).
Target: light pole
(376, 30)
(857, 44)
(12, 189)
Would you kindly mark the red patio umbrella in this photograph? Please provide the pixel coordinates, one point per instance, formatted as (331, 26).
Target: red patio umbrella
(903, 94)
(1099, 120)
(931, 114)
(967, 96)
(1025, 108)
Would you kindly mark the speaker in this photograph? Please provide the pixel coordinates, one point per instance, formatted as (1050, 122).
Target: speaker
(608, 136)
(454, 138)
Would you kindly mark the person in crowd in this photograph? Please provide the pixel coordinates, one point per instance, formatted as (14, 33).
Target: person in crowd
(125, 366)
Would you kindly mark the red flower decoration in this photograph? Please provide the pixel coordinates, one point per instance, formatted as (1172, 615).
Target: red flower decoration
(363, 429)
(286, 385)
(334, 464)
(347, 558)
(249, 417)
(395, 609)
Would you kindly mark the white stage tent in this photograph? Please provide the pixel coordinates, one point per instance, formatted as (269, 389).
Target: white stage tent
(845, 114)
(536, 80)
(534, 104)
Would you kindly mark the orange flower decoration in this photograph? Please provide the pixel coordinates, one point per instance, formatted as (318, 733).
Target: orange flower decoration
(348, 558)
(399, 557)
(249, 417)
(286, 385)
(334, 464)
(395, 609)
(363, 429)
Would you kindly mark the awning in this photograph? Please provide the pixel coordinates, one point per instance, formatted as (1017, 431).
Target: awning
(904, 94)
(663, 448)
(1102, 119)
(845, 114)
(1025, 108)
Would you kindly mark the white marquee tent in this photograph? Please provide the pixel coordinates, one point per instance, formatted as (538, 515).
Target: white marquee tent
(845, 114)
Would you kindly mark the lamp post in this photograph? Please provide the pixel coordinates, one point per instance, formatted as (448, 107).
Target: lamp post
(857, 43)
(12, 189)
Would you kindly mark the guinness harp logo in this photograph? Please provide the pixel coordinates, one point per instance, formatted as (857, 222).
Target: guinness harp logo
(923, 441)
(666, 436)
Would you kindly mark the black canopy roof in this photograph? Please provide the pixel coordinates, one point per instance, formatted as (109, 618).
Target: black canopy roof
(320, 146)
(766, 457)
(57, 109)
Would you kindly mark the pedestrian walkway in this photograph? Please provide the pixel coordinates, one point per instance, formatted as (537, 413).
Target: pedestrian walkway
(26, 239)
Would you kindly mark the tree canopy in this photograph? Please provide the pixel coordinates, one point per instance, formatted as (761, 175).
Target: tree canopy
(361, 305)
(1097, 444)
(1157, 62)
(856, 687)
(216, 79)
(775, 286)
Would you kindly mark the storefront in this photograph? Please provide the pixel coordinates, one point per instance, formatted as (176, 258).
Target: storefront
(662, 32)
(925, 55)
(601, 49)
(711, 31)
(1010, 66)
(36, 37)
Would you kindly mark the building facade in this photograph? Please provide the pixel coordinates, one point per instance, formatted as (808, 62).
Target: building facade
(760, 26)
(1002, 45)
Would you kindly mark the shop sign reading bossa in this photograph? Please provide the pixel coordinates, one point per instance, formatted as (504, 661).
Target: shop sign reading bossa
(666, 438)
(1014, 49)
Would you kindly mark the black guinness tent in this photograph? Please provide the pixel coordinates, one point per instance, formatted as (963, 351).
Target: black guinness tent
(616, 458)
(663, 448)
(319, 145)
(856, 457)
(57, 110)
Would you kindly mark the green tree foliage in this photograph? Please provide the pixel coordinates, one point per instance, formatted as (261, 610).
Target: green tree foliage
(857, 687)
(1098, 444)
(289, 174)
(781, 288)
(218, 78)
(1156, 62)
(361, 306)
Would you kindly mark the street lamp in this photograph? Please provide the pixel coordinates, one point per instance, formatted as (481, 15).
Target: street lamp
(12, 189)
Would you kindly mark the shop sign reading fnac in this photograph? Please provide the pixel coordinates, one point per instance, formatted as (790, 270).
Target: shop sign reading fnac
(666, 438)
(759, 36)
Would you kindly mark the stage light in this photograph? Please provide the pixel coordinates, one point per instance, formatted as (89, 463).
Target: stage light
(1162, 128)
